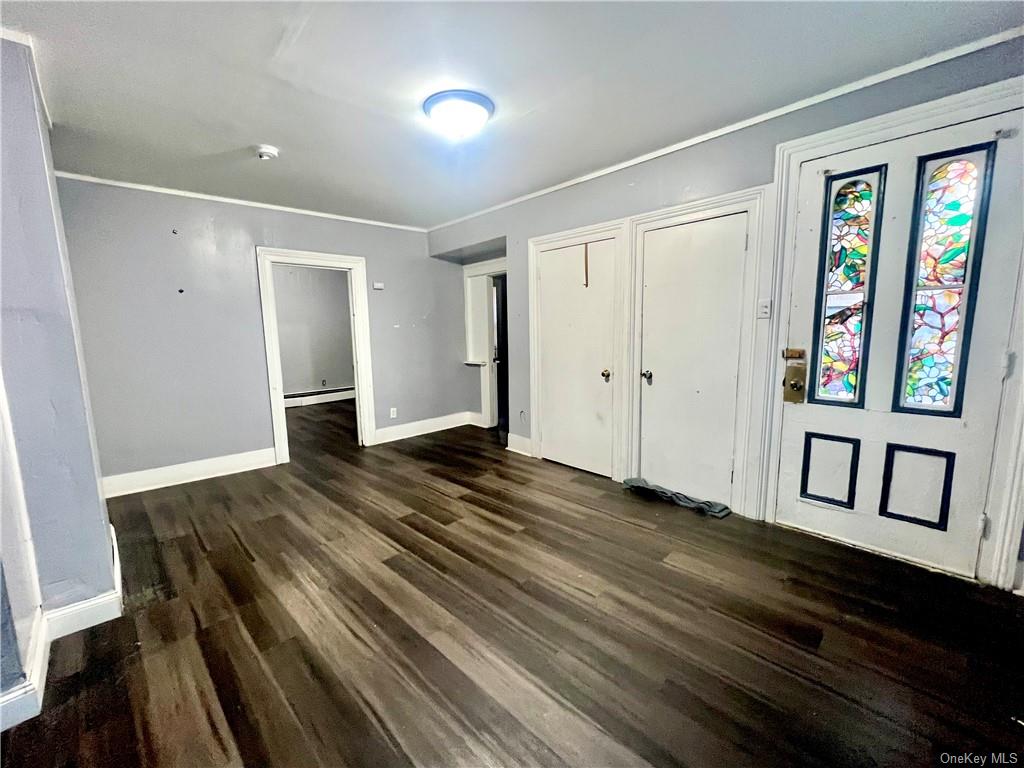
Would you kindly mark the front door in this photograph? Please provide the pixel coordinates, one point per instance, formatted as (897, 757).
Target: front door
(692, 315)
(905, 272)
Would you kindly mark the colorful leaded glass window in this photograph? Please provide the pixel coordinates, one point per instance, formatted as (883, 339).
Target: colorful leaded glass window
(947, 234)
(851, 211)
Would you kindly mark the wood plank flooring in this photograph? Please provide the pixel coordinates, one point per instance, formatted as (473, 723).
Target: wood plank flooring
(443, 602)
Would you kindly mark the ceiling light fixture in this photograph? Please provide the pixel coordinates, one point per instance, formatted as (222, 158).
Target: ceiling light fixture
(267, 152)
(457, 115)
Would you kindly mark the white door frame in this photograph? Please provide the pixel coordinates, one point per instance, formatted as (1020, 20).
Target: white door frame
(488, 370)
(998, 559)
(616, 230)
(359, 305)
(750, 383)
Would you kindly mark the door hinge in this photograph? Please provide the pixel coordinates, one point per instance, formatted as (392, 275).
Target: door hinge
(984, 525)
(746, 242)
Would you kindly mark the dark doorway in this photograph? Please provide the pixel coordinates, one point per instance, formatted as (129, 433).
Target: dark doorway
(501, 353)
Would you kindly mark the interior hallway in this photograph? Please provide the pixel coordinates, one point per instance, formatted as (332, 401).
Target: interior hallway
(440, 601)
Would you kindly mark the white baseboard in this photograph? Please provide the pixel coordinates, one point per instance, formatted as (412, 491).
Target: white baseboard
(329, 397)
(520, 444)
(426, 426)
(477, 420)
(161, 477)
(105, 606)
(69, 619)
(25, 700)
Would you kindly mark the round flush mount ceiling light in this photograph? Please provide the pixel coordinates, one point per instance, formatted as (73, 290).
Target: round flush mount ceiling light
(267, 152)
(457, 115)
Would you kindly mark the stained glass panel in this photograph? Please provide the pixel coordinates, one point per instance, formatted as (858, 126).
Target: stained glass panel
(950, 213)
(933, 347)
(850, 236)
(840, 345)
(849, 217)
(948, 216)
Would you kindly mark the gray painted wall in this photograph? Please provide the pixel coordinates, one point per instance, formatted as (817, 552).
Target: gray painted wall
(173, 334)
(314, 328)
(42, 369)
(726, 164)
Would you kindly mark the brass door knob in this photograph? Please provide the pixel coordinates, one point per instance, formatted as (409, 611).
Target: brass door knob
(647, 375)
(606, 374)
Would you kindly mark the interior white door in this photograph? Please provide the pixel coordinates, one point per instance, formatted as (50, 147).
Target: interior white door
(692, 296)
(575, 313)
(906, 344)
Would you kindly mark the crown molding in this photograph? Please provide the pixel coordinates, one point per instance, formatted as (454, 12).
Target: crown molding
(23, 38)
(231, 200)
(16, 36)
(842, 90)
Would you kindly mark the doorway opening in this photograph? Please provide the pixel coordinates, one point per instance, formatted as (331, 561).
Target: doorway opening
(485, 287)
(499, 292)
(300, 292)
(314, 327)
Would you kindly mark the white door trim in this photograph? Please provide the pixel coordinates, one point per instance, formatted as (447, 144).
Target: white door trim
(486, 268)
(752, 202)
(969, 105)
(616, 230)
(359, 304)
(488, 371)
(1009, 442)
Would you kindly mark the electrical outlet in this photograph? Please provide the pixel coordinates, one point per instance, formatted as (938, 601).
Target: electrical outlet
(394, 413)
(764, 309)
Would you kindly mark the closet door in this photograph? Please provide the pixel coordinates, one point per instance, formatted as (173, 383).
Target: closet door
(575, 313)
(692, 290)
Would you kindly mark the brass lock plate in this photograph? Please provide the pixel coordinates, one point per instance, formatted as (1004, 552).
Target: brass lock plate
(794, 383)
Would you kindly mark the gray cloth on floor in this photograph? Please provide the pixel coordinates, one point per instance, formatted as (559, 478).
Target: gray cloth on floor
(641, 486)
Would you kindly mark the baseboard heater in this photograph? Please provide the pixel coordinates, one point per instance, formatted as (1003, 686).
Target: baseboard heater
(319, 392)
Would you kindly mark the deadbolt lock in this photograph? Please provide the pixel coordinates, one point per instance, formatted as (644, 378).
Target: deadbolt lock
(794, 382)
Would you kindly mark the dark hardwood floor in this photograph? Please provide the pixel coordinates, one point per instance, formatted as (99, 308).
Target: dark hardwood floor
(441, 601)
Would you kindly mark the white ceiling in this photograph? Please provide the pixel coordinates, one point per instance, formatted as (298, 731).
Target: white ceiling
(174, 94)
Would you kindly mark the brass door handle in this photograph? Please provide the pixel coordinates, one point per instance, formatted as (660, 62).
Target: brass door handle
(606, 374)
(796, 385)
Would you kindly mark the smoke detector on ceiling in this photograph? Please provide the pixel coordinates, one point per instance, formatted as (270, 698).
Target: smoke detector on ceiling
(267, 152)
